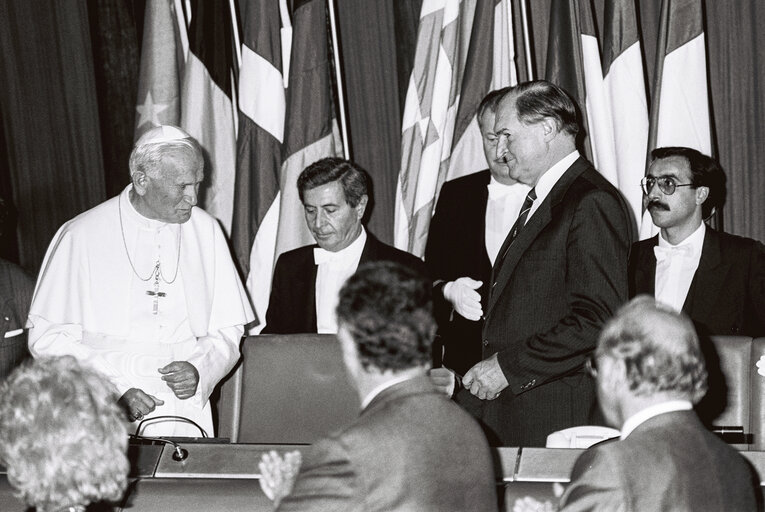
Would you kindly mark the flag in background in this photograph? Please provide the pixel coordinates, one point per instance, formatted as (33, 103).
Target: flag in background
(310, 133)
(625, 91)
(206, 105)
(262, 106)
(490, 65)
(680, 114)
(430, 112)
(163, 54)
(573, 63)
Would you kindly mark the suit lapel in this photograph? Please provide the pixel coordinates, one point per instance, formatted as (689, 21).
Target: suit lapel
(504, 267)
(310, 289)
(371, 249)
(710, 275)
(645, 271)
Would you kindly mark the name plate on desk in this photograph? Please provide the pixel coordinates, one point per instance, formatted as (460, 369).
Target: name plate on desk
(545, 464)
(223, 461)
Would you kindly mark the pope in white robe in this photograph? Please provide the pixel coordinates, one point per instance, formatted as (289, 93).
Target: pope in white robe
(143, 288)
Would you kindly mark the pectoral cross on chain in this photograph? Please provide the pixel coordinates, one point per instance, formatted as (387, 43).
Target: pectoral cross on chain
(156, 293)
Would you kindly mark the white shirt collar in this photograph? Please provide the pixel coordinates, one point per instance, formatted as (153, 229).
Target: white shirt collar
(499, 190)
(382, 387)
(548, 180)
(646, 414)
(345, 255)
(695, 240)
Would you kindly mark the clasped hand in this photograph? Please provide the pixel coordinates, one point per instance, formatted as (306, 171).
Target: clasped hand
(278, 474)
(181, 377)
(464, 298)
(486, 380)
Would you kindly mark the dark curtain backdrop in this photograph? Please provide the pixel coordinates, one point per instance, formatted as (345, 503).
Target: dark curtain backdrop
(68, 74)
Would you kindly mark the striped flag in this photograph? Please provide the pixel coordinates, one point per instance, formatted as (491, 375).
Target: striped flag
(573, 63)
(490, 65)
(206, 104)
(162, 59)
(262, 106)
(625, 91)
(430, 112)
(680, 113)
(310, 133)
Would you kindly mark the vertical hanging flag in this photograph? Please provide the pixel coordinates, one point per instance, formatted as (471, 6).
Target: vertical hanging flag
(311, 130)
(573, 63)
(262, 108)
(159, 78)
(625, 90)
(490, 65)
(206, 104)
(430, 112)
(680, 114)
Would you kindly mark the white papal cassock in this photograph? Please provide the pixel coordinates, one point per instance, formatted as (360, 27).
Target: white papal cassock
(100, 298)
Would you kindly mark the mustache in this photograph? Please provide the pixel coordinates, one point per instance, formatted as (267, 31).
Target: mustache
(657, 205)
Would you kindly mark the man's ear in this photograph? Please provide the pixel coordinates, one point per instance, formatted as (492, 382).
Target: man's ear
(550, 128)
(362, 206)
(140, 182)
(702, 193)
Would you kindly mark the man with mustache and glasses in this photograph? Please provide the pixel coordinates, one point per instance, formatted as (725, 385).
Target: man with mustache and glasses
(335, 194)
(716, 278)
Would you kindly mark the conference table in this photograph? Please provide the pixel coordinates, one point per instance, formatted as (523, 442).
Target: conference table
(218, 475)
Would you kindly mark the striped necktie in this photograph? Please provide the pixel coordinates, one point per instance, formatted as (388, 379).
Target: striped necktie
(527, 203)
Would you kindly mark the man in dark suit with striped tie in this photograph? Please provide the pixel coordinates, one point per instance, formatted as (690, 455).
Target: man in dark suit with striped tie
(560, 274)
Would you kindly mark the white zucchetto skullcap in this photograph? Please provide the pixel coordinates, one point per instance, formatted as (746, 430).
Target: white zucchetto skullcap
(165, 133)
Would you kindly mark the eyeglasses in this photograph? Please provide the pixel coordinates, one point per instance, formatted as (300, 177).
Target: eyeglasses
(666, 184)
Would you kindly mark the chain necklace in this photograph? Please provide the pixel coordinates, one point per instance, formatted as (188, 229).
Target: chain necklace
(156, 272)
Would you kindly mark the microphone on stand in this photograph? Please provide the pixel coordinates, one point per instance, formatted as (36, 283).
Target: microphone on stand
(179, 454)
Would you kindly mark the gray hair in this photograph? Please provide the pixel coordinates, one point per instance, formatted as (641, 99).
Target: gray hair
(659, 348)
(63, 437)
(155, 144)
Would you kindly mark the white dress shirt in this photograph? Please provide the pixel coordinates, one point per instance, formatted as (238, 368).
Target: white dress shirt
(646, 414)
(675, 267)
(548, 180)
(334, 269)
(502, 209)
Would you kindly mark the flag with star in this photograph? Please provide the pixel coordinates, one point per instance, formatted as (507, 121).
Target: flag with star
(430, 111)
(159, 79)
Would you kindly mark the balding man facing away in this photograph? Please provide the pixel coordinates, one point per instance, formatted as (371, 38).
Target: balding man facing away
(650, 372)
(411, 449)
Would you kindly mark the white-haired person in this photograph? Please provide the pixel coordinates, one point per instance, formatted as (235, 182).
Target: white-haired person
(143, 287)
(63, 436)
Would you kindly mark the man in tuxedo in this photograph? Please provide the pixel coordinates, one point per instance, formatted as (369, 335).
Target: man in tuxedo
(717, 279)
(335, 194)
(559, 275)
(650, 372)
(411, 448)
(473, 216)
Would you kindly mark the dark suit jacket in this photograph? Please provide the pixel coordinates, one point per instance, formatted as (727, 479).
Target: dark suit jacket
(292, 306)
(670, 462)
(16, 289)
(727, 293)
(456, 248)
(561, 279)
(395, 458)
